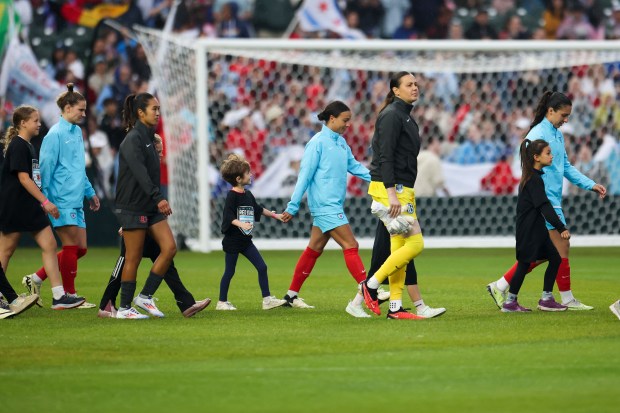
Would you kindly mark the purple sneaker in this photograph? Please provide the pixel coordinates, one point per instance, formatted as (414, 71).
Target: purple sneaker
(514, 307)
(551, 305)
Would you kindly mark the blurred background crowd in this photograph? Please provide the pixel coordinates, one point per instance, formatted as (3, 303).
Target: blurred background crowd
(263, 109)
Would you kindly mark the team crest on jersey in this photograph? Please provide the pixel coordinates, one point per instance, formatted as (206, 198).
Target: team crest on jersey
(410, 208)
(36, 172)
(246, 214)
(73, 215)
(340, 216)
(399, 188)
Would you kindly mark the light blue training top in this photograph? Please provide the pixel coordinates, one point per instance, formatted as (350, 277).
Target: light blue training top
(63, 166)
(560, 167)
(323, 173)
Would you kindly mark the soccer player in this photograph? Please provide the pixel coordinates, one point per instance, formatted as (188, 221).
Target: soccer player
(326, 160)
(553, 111)
(241, 211)
(185, 300)
(395, 145)
(64, 183)
(140, 205)
(23, 208)
(533, 241)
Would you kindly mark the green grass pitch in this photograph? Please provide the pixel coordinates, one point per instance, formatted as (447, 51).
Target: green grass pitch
(472, 359)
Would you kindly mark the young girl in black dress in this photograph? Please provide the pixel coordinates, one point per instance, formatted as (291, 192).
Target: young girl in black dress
(23, 208)
(533, 241)
(240, 212)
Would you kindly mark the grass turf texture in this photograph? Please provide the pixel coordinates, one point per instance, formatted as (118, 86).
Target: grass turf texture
(474, 358)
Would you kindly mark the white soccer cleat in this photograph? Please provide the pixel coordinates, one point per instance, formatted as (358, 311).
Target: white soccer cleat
(576, 305)
(148, 305)
(356, 310)
(296, 302)
(33, 287)
(130, 314)
(225, 306)
(430, 312)
(272, 302)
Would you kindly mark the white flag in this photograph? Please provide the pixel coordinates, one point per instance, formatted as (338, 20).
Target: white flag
(315, 15)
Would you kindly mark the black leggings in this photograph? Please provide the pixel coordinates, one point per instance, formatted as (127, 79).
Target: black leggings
(151, 250)
(252, 254)
(381, 252)
(549, 252)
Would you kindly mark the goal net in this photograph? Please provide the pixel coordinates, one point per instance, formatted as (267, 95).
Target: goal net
(260, 98)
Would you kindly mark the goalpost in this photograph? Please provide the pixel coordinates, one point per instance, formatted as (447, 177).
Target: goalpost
(258, 96)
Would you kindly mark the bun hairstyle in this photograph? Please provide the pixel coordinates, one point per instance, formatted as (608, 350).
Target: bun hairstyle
(132, 103)
(21, 113)
(549, 99)
(334, 109)
(70, 97)
(527, 151)
(234, 166)
(395, 81)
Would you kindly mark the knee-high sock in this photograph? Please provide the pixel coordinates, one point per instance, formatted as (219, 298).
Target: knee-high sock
(511, 272)
(303, 268)
(400, 257)
(68, 267)
(397, 283)
(563, 277)
(41, 271)
(354, 264)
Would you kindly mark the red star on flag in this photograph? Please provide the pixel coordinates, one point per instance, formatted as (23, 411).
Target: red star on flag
(323, 6)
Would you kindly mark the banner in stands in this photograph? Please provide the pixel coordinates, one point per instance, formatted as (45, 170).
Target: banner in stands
(22, 81)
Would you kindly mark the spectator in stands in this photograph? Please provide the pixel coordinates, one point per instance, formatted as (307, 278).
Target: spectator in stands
(500, 180)
(608, 113)
(370, 13)
(553, 16)
(139, 63)
(395, 12)
(481, 28)
(230, 25)
(612, 31)
(576, 25)
(101, 75)
(111, 124)
(118, 89)
(154, 12)
(430, 178)
(441, 28)
(407, 30)
(57, 63)
(513, 29)
(271, 18)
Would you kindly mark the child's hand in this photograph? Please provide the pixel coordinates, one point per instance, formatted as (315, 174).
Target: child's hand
(51, 209)
(565, 235)
(246, 226)
(277, 216)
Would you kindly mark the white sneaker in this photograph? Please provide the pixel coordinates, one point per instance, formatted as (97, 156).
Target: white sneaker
(382, 295)
(296, 302)
(148, 305)
(272, 302)
(356, 310)
(23, 302)
(576, 305)
(4, 313)
(615, 308)
(430, 312)
(32, 287)
(225, 306)
(130, 314)
(86, 305)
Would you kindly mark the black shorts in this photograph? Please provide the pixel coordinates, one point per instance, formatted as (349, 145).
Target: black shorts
(131, 220)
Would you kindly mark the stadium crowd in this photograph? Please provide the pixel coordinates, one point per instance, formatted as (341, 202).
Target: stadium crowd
(467, 114)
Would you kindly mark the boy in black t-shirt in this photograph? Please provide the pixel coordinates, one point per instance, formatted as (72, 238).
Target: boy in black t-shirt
(240, 212)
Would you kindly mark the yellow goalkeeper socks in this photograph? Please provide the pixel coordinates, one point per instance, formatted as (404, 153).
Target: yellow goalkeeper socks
(411, 248)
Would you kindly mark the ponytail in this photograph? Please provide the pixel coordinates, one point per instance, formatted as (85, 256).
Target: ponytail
(549, 99)
(21, 113)
(527, 151)
(70, 97)
(132, 104)
(394, 83)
